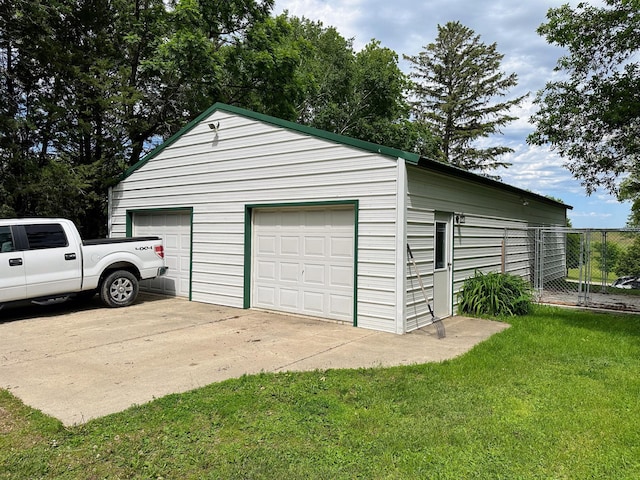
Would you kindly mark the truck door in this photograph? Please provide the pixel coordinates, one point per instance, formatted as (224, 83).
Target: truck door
(12, 273)
(53, 264)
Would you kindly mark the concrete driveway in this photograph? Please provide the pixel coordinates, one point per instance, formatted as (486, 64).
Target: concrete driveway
(78, 363)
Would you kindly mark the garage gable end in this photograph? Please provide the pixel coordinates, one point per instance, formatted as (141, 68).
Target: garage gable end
(314, 132)
(409, 157)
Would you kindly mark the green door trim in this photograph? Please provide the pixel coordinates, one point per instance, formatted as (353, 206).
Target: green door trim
(189, 210)
(248, 237)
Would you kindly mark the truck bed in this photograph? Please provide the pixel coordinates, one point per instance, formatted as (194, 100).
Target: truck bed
(106, 241)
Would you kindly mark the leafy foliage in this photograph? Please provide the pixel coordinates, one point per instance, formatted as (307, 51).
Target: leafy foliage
(607, 255)
(457, 79)
(91, 86)
(361, 94)
(495, 294)
(263, 71)
(630, 190)
(628, 262)
(591, 115)
(574, 250)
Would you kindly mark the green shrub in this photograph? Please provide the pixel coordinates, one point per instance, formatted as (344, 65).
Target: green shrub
(629, 260)
(495, 294)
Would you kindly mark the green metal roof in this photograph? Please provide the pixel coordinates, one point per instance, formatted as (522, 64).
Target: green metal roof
(412, 158)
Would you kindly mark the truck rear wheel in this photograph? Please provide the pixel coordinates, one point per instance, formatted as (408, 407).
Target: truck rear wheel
(119, 289)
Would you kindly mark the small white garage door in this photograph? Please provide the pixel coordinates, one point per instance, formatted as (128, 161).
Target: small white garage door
(175, 230)
(303, 261)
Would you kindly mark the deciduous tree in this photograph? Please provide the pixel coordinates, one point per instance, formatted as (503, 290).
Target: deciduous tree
(591, 114)
(263, 73)
(88, 86)
(629, 260)
(359, 94)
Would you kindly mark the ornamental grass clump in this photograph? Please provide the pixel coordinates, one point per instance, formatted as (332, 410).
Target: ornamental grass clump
(495, 294)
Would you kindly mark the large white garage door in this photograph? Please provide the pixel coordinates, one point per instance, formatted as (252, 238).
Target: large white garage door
(175, 230)
(303, 261)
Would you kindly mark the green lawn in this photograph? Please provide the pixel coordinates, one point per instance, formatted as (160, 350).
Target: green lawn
(555, 396)
(596, 275)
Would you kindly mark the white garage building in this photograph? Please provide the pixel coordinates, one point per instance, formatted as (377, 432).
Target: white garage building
(257, 212)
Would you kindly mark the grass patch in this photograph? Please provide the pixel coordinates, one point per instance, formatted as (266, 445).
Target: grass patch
(596, 275)
(563, 285)
(555, 396)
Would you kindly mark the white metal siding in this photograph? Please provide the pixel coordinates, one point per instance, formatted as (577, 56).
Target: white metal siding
(175, 230)
(480, 245)
(251, 162)
(489, 213)
(420, 237)
(554, 264)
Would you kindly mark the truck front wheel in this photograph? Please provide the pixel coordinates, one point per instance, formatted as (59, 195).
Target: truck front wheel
(119, 289)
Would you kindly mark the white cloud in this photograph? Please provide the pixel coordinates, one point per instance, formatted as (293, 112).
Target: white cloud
(537, 169)
(343, 15)
(594, 215)
(609, 199)
(406, 26)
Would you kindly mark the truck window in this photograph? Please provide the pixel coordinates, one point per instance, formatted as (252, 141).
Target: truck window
(45, 235)
(6, 240)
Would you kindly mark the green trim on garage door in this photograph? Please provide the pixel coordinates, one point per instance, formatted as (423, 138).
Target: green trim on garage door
(248, 232)
(189, 210)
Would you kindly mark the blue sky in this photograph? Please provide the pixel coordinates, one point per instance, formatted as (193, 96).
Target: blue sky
(406, 26)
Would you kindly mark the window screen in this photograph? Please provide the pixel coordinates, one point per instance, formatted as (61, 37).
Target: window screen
(6, 240)
(50, 235)
(441, 244)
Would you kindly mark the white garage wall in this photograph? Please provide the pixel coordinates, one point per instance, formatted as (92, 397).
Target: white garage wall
(174, 227)
(252, 162)
(477, 244)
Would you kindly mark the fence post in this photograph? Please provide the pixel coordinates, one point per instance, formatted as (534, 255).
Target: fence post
(587, 267)
(542, 253)
(584, 274)
(605, 264)
(539, 251)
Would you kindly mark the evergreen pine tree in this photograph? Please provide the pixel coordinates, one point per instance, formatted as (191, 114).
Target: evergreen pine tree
(456, 81)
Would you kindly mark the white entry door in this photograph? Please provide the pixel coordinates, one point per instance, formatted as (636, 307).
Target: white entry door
(442, 284)
(303, 261)
(175, 230)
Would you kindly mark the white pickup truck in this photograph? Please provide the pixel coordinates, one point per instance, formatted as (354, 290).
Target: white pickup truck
(45, 259)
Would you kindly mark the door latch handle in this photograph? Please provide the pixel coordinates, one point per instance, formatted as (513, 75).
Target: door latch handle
(15, 262)
(69, 256)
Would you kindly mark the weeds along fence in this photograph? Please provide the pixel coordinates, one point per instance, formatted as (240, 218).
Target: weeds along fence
(597, 268)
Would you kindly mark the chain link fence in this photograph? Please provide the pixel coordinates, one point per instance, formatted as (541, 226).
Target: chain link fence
(581, 267)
